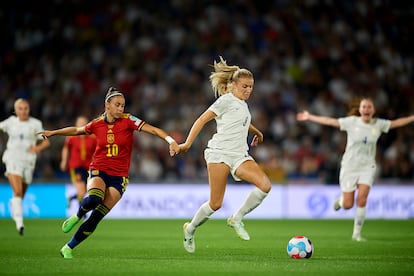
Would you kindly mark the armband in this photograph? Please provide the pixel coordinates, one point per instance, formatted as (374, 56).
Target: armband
(169, 140)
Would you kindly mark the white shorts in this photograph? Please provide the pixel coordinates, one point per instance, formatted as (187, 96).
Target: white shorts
(24, 169)
(348, 179)
(231, 159)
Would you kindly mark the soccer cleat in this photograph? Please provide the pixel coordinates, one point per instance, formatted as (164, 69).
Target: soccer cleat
(358, 238)
(66, 252)
(189, 244)
(70, 223)
(239, 228)
(337, 206)
(21, 231)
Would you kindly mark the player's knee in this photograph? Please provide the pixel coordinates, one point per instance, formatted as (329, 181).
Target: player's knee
(94, 198)
(347, 205)
(265, 185)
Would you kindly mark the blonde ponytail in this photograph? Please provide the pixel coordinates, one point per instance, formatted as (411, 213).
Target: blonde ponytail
(223, 76)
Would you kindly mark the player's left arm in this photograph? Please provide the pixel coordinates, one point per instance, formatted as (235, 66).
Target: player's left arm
(258, 135)
(401, 121)
(174, 148)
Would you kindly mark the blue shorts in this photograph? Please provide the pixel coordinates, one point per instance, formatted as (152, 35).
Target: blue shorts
(79, 174)
(118, 182)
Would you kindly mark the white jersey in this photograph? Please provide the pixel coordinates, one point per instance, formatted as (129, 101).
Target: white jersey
(22, 135)
(233, 121)
(361, 141)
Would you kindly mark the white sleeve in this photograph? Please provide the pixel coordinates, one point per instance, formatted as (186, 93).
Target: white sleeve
(384, 125)
(219, 106)
(4, 124)
(345, 123)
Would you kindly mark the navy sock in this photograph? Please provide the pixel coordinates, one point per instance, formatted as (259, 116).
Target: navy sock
(89, 226)
(94, 198)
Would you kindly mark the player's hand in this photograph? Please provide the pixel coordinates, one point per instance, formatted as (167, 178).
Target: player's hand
(257, 139)
(302, 116)
(45, 134)
(62, 166)
(184, 147)
(174, 149)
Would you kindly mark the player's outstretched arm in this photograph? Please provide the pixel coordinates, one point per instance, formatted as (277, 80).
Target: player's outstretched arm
(323, 120)
(402, 121)
(174, 148)
(66, 131)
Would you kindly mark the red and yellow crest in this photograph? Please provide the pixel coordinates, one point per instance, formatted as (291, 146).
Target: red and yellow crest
(110, 138)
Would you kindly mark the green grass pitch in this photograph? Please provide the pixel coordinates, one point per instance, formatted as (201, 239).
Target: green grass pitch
(154, 247)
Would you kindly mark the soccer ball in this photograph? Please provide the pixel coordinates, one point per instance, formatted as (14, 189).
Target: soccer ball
(300, 247)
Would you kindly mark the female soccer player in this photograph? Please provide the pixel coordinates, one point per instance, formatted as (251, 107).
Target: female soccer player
(358, 162)
(227, 151)
(76, 156)
(20, 154)
(108, 171)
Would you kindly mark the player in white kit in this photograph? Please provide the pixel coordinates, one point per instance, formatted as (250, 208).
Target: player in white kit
(227, 151)
(358, 164)
(20, 155)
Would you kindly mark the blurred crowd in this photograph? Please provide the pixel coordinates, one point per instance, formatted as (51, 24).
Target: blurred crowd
(310, 54)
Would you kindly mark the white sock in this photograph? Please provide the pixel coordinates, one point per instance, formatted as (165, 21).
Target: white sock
(360, 215)
(202, 215)
(17, 211)
(252, 201)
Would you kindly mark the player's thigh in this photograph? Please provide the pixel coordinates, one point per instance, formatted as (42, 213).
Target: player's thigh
(96, 182)
(217, 177)
(112, 196)
(251, 172)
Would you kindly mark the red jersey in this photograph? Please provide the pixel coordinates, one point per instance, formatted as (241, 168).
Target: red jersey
(81, 149)
(114, 147)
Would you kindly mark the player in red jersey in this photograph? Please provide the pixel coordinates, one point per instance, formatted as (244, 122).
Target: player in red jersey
(108, 172)
(76, 156)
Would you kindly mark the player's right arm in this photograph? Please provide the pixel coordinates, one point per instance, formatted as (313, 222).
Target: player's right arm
(66, 131)
(323, 120)
(198, 125)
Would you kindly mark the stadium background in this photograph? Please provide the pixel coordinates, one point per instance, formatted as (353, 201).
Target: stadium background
(315, 55)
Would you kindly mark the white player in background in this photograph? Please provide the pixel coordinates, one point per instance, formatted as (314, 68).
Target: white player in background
(358, 163)
(20, 154)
